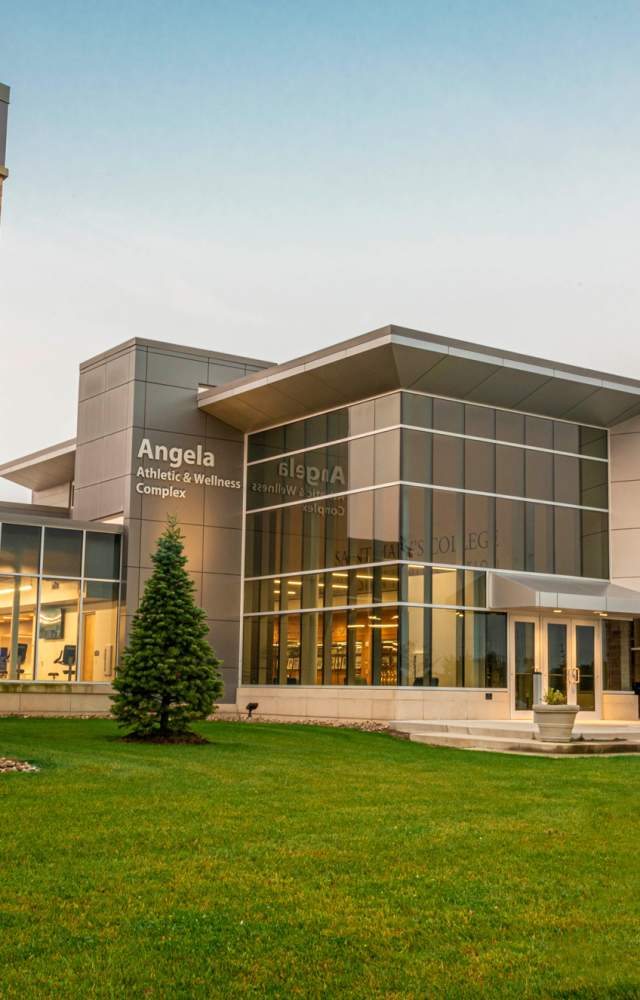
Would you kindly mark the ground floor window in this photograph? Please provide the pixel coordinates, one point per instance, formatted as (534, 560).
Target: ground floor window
(377, 645)
(620, 659)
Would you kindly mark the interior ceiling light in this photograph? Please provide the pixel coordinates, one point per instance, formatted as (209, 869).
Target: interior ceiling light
(12, 590)
(557, 611)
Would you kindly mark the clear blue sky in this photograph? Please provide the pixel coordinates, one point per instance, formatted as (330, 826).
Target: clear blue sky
(271, 177)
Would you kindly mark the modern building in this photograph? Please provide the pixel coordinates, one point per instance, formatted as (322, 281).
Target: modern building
(399, 526)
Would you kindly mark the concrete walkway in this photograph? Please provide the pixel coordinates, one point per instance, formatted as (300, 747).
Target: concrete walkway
(513, 736)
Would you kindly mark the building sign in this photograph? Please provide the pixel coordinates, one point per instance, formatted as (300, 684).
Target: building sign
(187, 467)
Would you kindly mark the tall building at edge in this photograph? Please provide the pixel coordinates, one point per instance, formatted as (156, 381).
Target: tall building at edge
(398, 526)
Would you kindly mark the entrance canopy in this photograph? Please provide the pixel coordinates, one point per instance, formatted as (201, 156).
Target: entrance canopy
(537, 593)
(397, 358)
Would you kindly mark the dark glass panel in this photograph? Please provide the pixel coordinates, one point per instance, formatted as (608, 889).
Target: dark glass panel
(415, 532)
(510, 534)
(525, 663)
(566, 437)
(567, 536)
(595, 544)
(62, 552)
(337, 424)
(448, 415)
(416, 456)
(586, 664)
(20, 548)
(510, 470)
(557, 656)
(387, 411)
(594, 484)
(362, 417)
(509, 426)
(361, 528)
(479, 530)
(448, 461)
(314, 518)
(620, 660)
(290, 649)
(102, 555)
(260, 649)
(337, 533)
(387, 457)
(385, 634)
(566, 479)
(312, 590)
(447, 526)
(479, 466)
(417, 411)
(315, 430)
(593, 442)
(264, 444)
(496, 663)
(387, 523)
(479, 421)
(539, 538)
(292, 539)
(338, 646)
(539, 432)
(263, 543)
(310, 648)
(539, 475)
(475, 589)
(294, 436)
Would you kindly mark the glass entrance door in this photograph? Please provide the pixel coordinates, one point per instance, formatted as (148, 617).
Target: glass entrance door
(573, 661)
(566, 653)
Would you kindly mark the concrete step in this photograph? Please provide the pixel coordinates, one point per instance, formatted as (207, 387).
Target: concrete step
(509, 744)
(487, 729)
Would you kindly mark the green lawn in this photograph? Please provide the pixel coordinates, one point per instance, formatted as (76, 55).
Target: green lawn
(293, 861)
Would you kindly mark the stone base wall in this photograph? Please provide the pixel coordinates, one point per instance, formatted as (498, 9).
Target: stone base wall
(620, 707)
(353, 704)
(51, 698)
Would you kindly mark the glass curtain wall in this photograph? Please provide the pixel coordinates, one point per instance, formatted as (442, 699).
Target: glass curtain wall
(59, 592)
(409, 480)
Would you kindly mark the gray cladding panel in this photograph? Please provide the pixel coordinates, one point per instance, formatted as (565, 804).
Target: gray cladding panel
(92, 382)
(221, 596)
(169, 369)
(170, 408)
(120, 369)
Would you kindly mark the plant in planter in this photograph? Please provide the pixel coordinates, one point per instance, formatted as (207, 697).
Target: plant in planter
(555, 719)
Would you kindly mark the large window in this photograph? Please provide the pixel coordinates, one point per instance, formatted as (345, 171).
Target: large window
(364, 526)
(58, 615)
(620, 661)
(379, 646)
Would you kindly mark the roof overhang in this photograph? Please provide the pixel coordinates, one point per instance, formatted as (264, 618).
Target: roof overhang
(535, 592)
(43, 469)
(394, 358)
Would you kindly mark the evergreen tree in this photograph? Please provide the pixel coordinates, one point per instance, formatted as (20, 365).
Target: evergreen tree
(169, 673)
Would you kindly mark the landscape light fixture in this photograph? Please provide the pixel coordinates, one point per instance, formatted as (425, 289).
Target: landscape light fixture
(251, 707)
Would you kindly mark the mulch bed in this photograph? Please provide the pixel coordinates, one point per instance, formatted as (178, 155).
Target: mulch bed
(7, 764)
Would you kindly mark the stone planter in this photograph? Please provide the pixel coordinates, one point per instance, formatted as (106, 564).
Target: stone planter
(555, 722)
